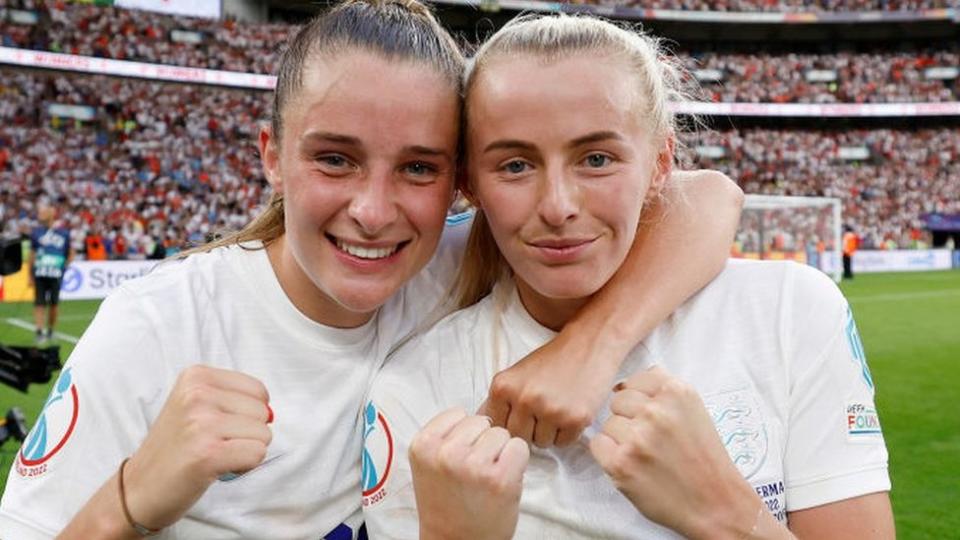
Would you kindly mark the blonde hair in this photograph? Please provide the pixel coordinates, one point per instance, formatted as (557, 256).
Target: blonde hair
(553, 38)
(394, 29)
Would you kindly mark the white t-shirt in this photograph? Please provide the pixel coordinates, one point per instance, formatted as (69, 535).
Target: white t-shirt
(224, 309)
(771, 348)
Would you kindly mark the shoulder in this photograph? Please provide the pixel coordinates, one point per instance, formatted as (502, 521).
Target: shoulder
(201, 273)
(438, 355)
(771, 278)
(451, 336)
(779, 297)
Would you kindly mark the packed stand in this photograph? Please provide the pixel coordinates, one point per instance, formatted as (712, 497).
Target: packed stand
(924, 75)
(159, 166)
(127, 34)
(842, 77)
(776, 6)
(886, 179)
(167, 164)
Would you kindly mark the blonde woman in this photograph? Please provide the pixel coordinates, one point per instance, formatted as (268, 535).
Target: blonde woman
(218, 397)
(766, 356)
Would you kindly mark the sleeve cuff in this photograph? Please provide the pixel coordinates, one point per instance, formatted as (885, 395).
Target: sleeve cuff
(821, 491)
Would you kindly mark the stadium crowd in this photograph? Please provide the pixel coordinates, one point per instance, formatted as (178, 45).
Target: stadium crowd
(776, 6)
(847, 77)
(855, 77)
(158, 165)
(886, 179)
(170, 164)
(128, 34)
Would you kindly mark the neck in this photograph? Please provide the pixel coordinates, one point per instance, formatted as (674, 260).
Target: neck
(554, 313)
(305, 295)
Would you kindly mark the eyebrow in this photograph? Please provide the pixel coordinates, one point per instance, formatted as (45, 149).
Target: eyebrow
(426, 150)
(597, 136)
(508, 144)
(331, 137)
(514, 144)
(350, 140)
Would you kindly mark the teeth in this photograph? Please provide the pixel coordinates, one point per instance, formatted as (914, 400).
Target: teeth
(366, 253)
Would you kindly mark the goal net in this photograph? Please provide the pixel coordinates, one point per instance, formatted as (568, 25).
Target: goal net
(802, 229)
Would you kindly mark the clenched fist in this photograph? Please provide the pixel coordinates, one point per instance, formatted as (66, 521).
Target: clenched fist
(662, 451)
(467, 476)
(213, 423)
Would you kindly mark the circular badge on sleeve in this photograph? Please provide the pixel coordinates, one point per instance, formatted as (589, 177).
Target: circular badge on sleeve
(53, 429)
(377, 454)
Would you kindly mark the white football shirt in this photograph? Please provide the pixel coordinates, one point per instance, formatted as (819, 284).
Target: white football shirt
(224, 309)
(771, 348)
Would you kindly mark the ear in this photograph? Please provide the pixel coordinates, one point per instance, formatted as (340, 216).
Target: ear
(664, 164)
(270, 158)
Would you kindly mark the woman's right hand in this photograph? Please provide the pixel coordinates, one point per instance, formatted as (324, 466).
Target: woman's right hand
(662, 451)
(467, 476)
(214, 422)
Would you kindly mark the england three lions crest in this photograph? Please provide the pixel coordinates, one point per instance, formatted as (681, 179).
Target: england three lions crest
(739, 422)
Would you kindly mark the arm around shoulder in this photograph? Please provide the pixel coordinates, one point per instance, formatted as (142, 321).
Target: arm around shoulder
(682, 243)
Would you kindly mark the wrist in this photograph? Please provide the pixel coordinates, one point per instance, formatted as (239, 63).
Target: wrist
(132, 505)
(589, 342)
(736, 520)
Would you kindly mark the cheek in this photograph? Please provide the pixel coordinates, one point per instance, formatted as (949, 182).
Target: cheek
(426, 207)
(619, 206)
(311, 204)
(507, 206)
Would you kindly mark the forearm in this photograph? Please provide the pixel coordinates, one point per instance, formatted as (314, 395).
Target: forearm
(748, 519)
(682, 244)
(102, 517)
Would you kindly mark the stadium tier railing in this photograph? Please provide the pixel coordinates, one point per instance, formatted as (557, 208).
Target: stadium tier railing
(704, 16)
(141, 70)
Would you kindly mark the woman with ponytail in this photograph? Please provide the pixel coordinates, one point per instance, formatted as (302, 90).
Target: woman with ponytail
(220, 396)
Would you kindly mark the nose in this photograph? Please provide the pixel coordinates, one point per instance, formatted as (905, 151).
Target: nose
(559, 198)
(373, 206)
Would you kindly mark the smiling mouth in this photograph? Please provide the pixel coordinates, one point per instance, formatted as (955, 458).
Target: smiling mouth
(366, 252)
(562, 245)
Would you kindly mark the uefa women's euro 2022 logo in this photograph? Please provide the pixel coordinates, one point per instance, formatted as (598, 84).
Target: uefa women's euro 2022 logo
(377, 455)
(53, 428)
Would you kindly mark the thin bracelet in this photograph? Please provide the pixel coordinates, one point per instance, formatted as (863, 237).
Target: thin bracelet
(756, 523)
(141, 529)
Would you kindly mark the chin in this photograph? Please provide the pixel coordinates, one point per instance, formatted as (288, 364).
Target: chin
(365, 301)
(566, 285)
(560, 290)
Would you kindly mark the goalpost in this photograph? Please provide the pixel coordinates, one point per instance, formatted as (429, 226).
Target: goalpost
(803, 229)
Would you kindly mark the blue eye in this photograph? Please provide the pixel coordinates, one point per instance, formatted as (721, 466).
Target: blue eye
(333, 160)
(515, 167)
(597, 161)
(420, 168)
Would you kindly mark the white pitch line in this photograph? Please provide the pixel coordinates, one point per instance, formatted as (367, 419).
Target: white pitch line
(28, 326)
(904, 296)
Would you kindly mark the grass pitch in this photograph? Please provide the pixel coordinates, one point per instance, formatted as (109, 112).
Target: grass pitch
(910, 324)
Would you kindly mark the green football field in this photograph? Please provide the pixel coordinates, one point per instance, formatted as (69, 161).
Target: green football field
(910, 324)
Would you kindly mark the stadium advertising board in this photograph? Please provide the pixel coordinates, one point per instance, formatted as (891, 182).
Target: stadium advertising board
(209, 9)
(86, 280)
(140, 70)
(902, 260)
(942, 222)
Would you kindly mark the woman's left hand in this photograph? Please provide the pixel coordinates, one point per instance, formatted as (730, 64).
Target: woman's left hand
(549, 397)
(662, 451)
